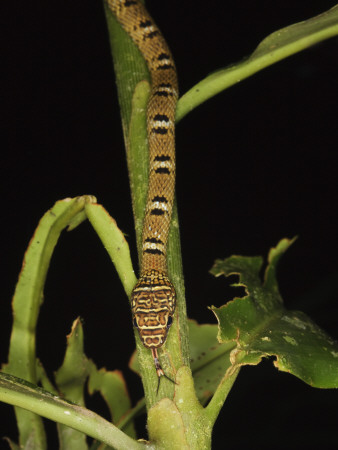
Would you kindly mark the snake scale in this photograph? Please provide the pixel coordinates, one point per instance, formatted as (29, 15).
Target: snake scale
(153, 298)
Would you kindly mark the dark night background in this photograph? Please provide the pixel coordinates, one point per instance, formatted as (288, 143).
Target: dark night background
(255, 164)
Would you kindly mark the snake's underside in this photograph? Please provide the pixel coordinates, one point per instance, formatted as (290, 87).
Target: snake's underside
(153, 298)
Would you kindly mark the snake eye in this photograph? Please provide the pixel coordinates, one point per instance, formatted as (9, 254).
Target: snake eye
(170, 321)
(135, 322)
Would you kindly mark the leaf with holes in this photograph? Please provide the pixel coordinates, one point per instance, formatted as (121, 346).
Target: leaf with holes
(261, 326)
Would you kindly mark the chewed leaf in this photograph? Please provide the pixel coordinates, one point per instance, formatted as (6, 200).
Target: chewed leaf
(72, 375)
(112, 387)
(260, 325)
(27, 301)
(70, 379)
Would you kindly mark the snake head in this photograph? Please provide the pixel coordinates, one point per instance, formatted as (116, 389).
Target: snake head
(153, 304)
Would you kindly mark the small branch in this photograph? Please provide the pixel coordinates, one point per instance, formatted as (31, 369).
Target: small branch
(216, 403)
(132, 414)
(277, 46)
(20, 393)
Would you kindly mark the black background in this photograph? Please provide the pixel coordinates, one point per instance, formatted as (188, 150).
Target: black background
(254, 164)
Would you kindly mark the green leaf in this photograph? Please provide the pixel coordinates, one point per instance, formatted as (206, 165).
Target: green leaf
(23, 394)
(72, 375)
(27, 300)
(274, 48)
(261, 326)
(43, 379)
(113, 389)
(70, 379)
(114, 242)
(209, 358)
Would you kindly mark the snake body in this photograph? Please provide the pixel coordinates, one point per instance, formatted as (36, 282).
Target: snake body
(153, 298)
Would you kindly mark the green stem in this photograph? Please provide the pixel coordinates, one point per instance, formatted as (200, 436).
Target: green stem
(132, 79)
(277, 46)
(132, 414)
(216, 403)
(20, 393)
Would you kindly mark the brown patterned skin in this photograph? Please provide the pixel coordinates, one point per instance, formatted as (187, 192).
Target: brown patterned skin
(153, 298)
(153, 305)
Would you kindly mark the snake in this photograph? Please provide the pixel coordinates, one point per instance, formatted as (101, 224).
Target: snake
(153, 298)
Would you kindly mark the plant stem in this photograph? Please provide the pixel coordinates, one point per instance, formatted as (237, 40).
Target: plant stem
(277, 46)
(132, 79)
(216, 403)
(25, 395)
